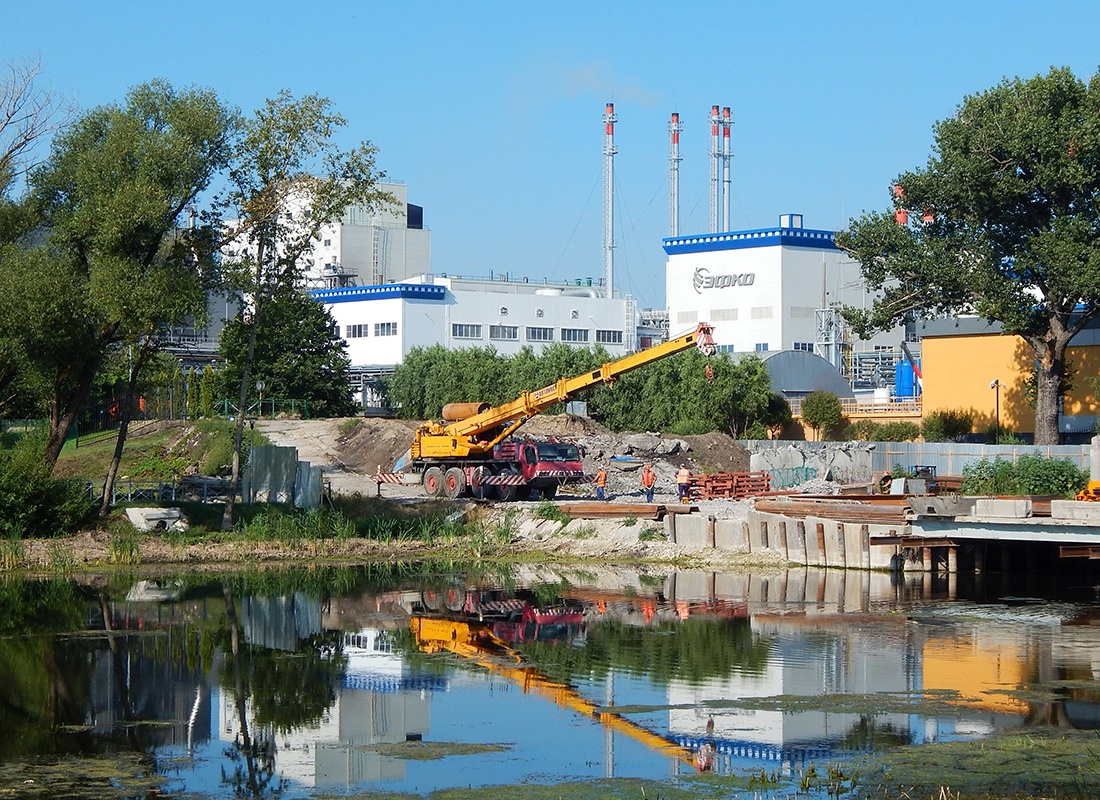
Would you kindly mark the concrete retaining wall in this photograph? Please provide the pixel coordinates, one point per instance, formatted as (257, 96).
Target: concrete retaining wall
(813, 541)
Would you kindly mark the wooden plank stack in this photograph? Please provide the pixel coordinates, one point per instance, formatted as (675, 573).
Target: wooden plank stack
(729, 485)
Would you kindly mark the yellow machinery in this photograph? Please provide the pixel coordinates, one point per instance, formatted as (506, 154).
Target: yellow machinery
(475, 436)
(1090, 492)
(474, 640)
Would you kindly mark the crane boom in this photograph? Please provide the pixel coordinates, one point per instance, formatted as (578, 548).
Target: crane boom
(477, 435)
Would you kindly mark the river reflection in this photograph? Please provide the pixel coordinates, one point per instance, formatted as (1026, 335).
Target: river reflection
(282, 683)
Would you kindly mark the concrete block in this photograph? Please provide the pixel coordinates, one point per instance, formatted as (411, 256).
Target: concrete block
(796, 541)
(1017, 508)
(796, 586)
(856, 555)
(728, 586)
(882, 557)
(755, 520)
(815, 542)
(157, 519)
(729, 534)
(691, 530)
(834, 544)
(942, 505)
(1075, 509)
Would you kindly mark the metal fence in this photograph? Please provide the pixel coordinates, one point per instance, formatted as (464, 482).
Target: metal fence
(949, 458)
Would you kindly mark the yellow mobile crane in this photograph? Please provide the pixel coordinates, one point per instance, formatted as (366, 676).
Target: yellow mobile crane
(469, 448)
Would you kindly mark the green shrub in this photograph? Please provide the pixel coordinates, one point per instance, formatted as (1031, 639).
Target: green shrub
(1031, 474)
(31, 502)
(946, 425)
(898, 432)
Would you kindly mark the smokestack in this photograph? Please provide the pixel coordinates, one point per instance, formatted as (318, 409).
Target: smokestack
(608, 199)
(674, 129)
(726, 123)
(715, 154)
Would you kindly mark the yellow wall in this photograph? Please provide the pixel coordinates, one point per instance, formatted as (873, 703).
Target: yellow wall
(959, 369)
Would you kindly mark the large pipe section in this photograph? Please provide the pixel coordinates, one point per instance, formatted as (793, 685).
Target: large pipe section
(726, 123)
(456, 412)
(608, 199)
(674, 129)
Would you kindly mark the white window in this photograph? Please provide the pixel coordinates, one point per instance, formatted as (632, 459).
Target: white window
(803, 312)
(540, 334)
(609, 337)
(574, 334)
(723, 315)
(385, 329)
(687, 316)
(462, 331)
(357, 331)
(761, 347)
(507, 333)
(761, 312)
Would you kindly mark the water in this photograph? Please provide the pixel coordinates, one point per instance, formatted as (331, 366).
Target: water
(403, 679)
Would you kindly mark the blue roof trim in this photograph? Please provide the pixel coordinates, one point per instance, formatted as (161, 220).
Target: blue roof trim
(741, 240)
(355, 294)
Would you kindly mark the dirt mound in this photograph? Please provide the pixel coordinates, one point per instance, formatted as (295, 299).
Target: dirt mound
(563, 425)
(374, 443)
(718, 452)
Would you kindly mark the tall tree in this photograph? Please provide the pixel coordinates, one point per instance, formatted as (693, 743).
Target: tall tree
(1004, 222)
(28, 116)
(289, 180)
(298, 355)
(112, 196)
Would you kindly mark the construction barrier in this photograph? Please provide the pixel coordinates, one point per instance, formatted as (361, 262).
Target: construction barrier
(729, 485)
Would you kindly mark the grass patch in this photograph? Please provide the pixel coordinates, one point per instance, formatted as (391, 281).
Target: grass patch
(1044, 762)
(630, 522)
(548, 509)
(584, 532)
(652, 534)
(124, 547)
(12, 553)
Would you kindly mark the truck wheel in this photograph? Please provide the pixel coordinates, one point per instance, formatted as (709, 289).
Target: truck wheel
(550, 492)
(433, 481)
(454, 483)
(477, 484)
(506, 494)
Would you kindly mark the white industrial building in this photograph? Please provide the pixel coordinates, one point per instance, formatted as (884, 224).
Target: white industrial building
(776, 289)
(381, 324)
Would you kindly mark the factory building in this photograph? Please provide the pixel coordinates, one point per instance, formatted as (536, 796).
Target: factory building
(777, 289)
(381, 324)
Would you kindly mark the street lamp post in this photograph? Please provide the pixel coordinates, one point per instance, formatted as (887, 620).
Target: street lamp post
(260, 388)
(996, 387)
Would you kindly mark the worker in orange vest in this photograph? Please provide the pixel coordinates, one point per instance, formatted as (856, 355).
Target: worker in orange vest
(683, 482)
(649, 481)
(601, 483)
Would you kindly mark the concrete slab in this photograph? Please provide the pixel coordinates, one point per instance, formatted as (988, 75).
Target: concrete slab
(157, 519)
(691, 530)
(1074, 509)
(942, 505)
(1016, 508)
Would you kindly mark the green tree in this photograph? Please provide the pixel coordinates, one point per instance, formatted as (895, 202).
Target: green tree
(112, 196)
(822, 412)
(206, 392)
(297, 354)
(1004, 223)
(289, 179)
(946, 425)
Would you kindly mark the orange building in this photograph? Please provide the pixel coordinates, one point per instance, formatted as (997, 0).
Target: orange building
(970, 365)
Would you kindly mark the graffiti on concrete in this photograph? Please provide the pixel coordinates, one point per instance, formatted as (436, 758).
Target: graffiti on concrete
(784, 477)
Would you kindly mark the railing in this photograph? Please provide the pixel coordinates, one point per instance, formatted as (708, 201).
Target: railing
(869, 408)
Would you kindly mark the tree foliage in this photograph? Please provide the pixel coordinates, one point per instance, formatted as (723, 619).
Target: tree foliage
(673, 394)
(297, 355)
(117, 261)
(1031, 474)
(1003, 222)
(946, 425)
(822, 412)
(289, 179)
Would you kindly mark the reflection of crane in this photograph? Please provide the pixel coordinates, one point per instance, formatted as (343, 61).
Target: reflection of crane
(475, 641)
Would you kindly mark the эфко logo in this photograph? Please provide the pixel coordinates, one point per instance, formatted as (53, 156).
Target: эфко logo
(702, 279)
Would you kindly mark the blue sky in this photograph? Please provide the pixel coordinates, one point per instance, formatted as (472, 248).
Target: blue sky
(491, 112)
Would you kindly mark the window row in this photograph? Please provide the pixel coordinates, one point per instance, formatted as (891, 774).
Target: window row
(510, 333)
(363, 331)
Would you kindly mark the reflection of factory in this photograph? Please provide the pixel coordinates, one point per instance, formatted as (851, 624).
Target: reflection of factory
(377, 701)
